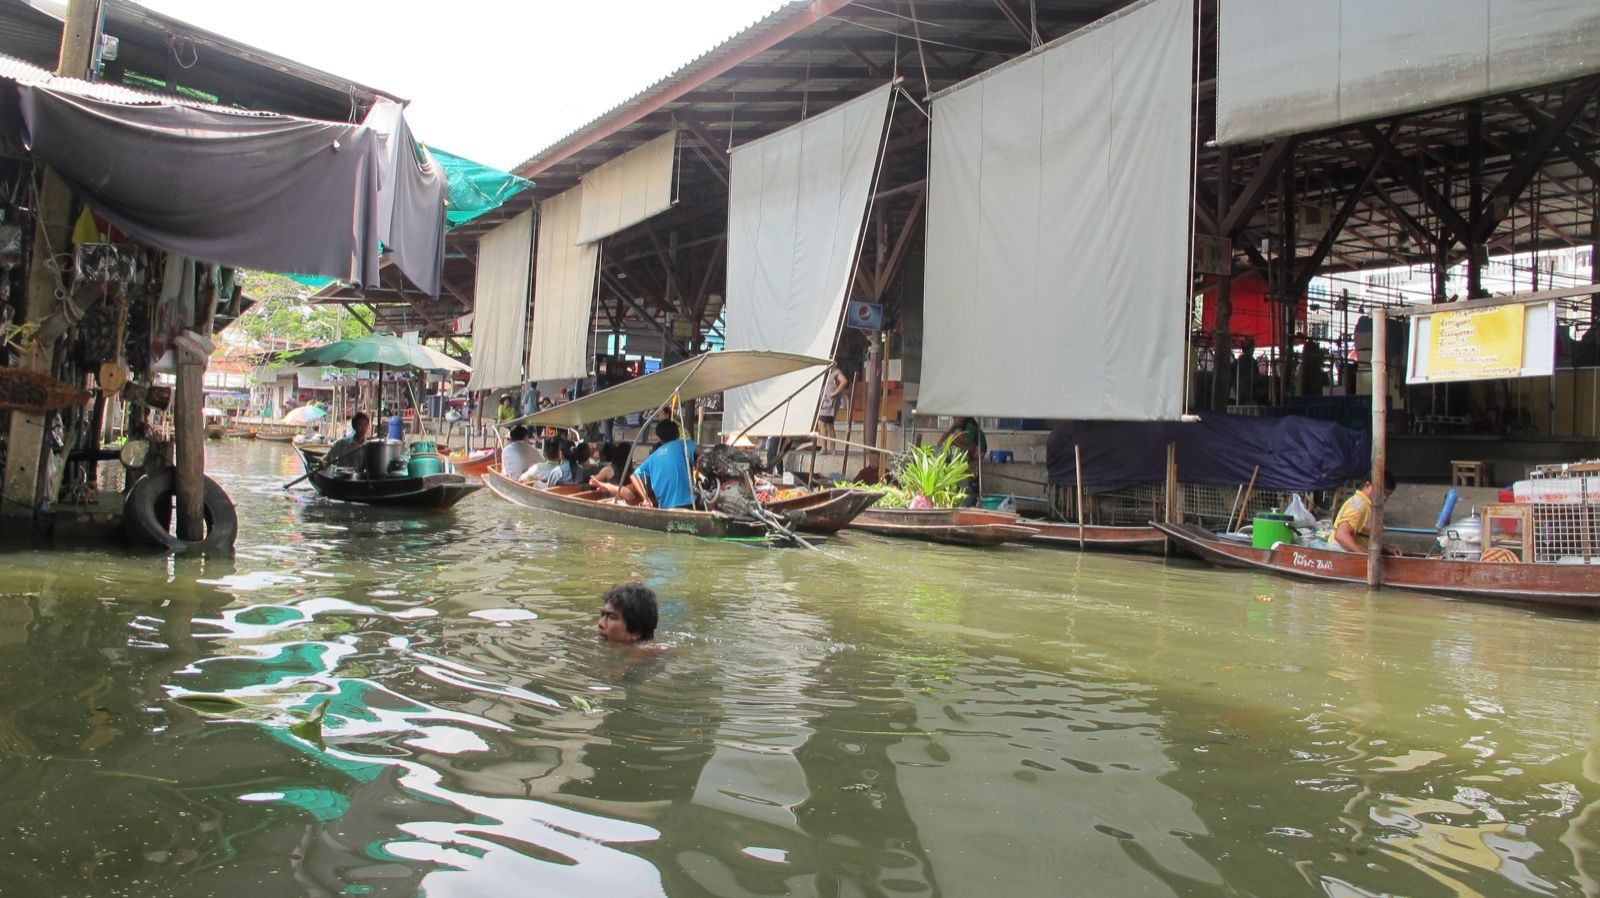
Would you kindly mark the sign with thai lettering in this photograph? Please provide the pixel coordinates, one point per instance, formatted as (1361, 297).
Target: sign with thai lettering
(1512, 340)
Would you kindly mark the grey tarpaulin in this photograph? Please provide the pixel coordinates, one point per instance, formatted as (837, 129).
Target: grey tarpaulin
(411, 198)
(246, 190)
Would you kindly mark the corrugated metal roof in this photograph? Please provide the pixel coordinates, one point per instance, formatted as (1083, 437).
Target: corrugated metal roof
(16, 70)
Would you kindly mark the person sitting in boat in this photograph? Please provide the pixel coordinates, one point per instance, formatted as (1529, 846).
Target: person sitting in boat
(628, 613)
(1352, 527)
(614, 459)
(664, 480)
(343, 450)
(570, 470)
(518, 455)
(552, 458)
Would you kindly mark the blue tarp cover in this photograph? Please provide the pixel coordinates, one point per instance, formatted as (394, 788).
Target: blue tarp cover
(1294, 453)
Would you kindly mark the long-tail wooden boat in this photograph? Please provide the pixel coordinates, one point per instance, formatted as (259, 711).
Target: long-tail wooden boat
(1553, 584)
(955, 526)
(1096, 537)
(275, 436)
(473, 463)
(435, 491)
(824, 512)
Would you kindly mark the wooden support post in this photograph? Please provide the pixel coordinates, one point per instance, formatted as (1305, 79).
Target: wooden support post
(1380, 423)
(1172, 483)
(1222, 364)
(1077, 470)
(189, 432)
(869, 427)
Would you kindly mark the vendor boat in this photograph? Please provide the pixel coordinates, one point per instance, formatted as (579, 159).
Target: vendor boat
(429, 491)
(822, 512)
(954, 526)
(1512, 581)
(1096, 537)
(473, 463)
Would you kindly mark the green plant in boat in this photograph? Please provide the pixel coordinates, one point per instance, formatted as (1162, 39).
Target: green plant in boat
(937, 473)
(893, 496)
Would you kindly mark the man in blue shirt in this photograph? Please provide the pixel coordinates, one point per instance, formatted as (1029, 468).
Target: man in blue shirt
(666, 473)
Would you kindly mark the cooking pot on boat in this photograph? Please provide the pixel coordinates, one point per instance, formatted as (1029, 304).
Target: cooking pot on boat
(422, 465)
(1270, 528)
(379, 458)
(1463, 541)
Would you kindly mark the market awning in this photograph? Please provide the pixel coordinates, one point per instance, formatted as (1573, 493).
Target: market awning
(701, 376)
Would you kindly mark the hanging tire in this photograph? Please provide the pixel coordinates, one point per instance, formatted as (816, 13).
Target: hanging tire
(147, 515)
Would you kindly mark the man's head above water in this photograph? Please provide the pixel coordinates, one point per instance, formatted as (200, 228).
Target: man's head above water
(628, 613)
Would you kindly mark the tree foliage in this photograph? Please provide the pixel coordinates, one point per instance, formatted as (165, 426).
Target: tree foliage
(282, 312)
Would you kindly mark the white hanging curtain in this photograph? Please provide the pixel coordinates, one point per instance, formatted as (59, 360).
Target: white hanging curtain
(796, 207)
(563, 292)
(1058, 227)
(500, 304)
(628, 189)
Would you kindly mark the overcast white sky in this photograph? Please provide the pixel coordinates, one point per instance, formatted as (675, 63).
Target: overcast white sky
(492, 80)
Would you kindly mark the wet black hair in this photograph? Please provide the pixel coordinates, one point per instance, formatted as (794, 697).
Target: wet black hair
(552, 448)
(666, 431)
(519, 433)
(636, 603)
(359, 418)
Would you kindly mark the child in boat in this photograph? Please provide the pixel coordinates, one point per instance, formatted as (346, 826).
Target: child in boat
(628, 614)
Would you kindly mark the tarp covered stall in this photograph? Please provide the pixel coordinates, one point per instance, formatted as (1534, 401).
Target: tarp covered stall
(1291, 66)
(1058, 227)
(411, 198)
(703, 375)
(629, 189)
(1294, 453)
(241, 189)
(563, 291)
(500, 304)
(797, 201)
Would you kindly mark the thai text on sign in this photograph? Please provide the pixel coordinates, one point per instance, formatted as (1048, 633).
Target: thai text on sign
(1476, 344)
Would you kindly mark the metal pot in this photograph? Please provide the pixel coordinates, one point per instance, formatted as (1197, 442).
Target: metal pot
(378, 456)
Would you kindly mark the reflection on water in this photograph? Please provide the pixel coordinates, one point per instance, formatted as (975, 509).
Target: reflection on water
(875, 719)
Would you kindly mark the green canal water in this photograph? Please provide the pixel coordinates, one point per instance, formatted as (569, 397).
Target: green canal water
(877, 719)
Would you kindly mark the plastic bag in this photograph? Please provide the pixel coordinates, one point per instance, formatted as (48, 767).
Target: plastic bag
(1300, 516)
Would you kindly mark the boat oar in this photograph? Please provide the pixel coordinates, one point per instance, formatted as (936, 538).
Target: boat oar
(1244, 507)
(323, 464)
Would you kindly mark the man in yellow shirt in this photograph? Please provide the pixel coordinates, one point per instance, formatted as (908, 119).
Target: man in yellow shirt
(1353, 526)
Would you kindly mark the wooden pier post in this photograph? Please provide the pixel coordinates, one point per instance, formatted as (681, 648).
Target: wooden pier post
(1380, 423)
(189, 436)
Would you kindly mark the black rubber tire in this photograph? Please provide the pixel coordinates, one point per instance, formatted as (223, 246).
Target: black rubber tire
(147, 515)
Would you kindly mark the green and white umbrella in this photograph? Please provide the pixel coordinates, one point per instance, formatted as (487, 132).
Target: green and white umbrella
(376, 352)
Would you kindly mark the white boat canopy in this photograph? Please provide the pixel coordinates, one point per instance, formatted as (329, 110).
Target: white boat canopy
(703, 375)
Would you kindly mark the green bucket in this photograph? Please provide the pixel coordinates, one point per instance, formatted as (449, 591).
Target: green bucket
(423, 465)
(1271, 528)
(992, 503)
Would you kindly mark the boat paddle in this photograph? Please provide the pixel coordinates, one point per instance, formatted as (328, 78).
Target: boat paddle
(323, 464)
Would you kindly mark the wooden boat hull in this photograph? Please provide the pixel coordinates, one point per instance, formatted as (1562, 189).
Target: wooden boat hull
(435, 491)
(827, 511)
(581, 502)
(953, 526)
(474, 463)
(1553, 584)
(275, 437)
(1097, 537)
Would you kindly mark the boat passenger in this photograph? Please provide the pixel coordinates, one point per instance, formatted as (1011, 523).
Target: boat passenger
(570, 470)
(613, 462)
(1352, 528)
(343, 451)
(552, 458)
(519, 454)
(663, 481)
(628, 613)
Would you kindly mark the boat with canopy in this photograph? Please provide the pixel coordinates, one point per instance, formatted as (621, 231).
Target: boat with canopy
(825, 511)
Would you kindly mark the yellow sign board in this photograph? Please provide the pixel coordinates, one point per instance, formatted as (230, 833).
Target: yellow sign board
(1476, 344)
